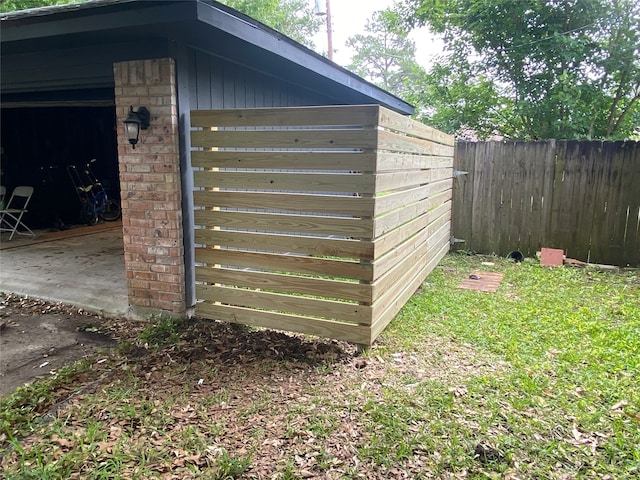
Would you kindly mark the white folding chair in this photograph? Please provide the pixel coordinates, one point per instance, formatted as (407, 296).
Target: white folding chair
(16, 207)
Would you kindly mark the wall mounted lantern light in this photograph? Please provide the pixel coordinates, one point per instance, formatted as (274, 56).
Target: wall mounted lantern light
(136, 121)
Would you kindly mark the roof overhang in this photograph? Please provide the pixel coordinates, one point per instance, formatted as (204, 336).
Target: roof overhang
(202, 24)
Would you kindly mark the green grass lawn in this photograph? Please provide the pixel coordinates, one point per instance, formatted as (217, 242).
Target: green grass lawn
(538, 380)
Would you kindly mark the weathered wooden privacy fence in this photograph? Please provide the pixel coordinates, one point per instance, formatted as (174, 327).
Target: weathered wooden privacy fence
(583, 197)
(321, 220)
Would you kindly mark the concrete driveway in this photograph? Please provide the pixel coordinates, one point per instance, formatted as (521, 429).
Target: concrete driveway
(82, 266)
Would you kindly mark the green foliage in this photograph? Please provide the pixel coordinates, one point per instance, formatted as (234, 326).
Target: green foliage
(461, 103)
(562, 68)
(385, 55)
(537, 380)
(13, 5)
(294, 18)
(163, 331)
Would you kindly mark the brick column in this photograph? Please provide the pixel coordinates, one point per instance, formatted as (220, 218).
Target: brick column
(150, 187)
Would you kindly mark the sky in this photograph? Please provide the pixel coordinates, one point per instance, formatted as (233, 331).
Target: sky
(349, 17)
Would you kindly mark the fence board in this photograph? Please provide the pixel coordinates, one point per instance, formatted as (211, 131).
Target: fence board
(294, 323)
(412, 283)
(582, 197)
(330, 205)
(315, 307)
(391, 238)
(309, 224)
(401, 198)
(388, 287)
(334, 247)
(629, 205)
(364, 115)
(363, 162)
(351, 139)
(313, 182)
(395, 121)
(401, 143)
(317, 220)
(388, 161)
(357, 292)
(462, 206)
(289, 263)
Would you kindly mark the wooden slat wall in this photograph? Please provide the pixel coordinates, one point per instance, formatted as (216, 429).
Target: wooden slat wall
(580, 196)
(321, 220)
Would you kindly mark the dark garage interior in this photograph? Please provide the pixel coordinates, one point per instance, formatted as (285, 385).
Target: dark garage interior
(39, 142)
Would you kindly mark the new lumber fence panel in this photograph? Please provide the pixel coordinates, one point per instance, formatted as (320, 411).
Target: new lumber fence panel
(319, 220)
(579, 196)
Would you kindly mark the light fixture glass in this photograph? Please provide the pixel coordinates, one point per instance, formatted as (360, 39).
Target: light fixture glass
(135, 121)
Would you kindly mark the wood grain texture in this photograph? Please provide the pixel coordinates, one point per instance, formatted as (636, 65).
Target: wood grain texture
(287, 202)
(285, 263)
(353, 115)
(357, 227)
(317, 220)
(278, 282)
(282, 303)
(348, 332)
(323, 246)
(300, 139)
(288, 181)
(579, 196)
(299, 160)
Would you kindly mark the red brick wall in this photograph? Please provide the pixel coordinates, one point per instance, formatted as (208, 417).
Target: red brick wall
(150, 186)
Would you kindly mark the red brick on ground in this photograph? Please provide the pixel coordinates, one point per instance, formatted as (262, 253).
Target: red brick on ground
(482, 281)
(551, 257)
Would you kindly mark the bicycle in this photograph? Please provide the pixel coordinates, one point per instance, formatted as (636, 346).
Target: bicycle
(94, 201)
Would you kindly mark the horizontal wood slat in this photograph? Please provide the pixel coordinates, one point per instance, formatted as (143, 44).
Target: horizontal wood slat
(403, 143)
(348, 332)
(285, 139)
(394, 121)
(410, 178)
(326, 204)
(395, 274)
(312, 182)
(360, 162)
(317, 220)
(322, 287)
(315, 307)
(385, 242)
(382, 319)
(399, 199)
(285, 263)
(361, 115)
(413, 248)
(389, 161)
(310, 224)
(287, 243)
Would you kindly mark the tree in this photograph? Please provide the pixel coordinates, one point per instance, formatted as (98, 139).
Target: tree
(461, 102)
(294, 18)
(385, 55)
(561, 68)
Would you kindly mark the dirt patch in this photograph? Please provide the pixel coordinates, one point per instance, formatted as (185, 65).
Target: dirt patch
(38, 337)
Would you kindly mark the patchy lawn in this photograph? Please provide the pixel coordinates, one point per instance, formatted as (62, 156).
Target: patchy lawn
(538, 380)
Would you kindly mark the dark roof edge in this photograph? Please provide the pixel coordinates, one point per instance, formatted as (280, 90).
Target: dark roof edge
(248, 30)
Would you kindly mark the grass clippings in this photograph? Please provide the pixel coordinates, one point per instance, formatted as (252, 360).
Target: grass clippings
(537, 380)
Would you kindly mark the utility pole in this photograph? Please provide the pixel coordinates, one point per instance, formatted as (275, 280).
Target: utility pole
(326, 11)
